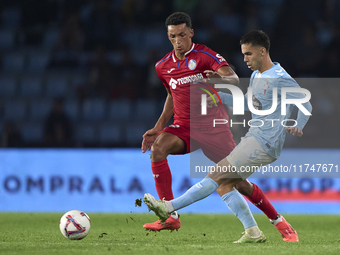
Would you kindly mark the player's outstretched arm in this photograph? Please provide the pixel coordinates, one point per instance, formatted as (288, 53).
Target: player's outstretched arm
(225, 73)
(301, 121)
(150, 136)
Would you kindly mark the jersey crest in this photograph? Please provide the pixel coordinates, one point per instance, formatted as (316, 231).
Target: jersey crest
(192, 64)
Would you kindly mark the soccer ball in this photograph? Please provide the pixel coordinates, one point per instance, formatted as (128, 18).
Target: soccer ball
(75, 225)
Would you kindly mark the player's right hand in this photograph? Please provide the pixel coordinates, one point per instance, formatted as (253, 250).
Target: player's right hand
(294, 131)
(149, 138)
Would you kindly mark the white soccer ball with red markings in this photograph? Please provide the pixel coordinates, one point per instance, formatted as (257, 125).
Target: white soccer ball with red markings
(75, 225)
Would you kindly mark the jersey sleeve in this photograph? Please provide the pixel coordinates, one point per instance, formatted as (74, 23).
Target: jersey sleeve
(160, 76)
(214, 59)
(287, 82)
(301, 118)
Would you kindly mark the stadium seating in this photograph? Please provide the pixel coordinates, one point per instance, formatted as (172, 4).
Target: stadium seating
(15, 110)
(8, 86)
(39, 109)
(10, 17)
(110, 134)
(93, 109)
(119, 110)
(50, 38)
(85, 133)
(38, 61)
(31, 86)
(71, 108)
(134, 133)
(146, 110)
(13, 62)
(56, 86)
(33, 132)
(7, 39)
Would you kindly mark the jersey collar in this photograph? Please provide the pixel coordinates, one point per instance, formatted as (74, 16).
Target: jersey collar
(173, 54)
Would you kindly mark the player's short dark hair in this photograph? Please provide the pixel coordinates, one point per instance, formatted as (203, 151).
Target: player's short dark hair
(256, 38)
(178, 18)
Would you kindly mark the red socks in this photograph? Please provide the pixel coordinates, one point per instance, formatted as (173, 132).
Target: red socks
(259, 199)
(163, 179)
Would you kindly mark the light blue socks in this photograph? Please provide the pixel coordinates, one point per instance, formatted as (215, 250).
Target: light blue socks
(239, 207)
(197, 192)
(234, 200)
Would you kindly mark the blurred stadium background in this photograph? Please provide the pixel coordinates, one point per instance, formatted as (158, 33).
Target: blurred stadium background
(80, 74)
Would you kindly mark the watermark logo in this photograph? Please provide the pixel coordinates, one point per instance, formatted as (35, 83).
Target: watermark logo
(204, 99)
(238, 100)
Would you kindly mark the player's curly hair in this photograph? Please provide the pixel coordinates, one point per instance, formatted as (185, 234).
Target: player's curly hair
(256, 38)
(178, 18)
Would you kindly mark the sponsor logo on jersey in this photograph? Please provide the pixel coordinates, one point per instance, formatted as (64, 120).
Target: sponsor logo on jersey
(173, 83)
(192, 64)
(266, 86)
(220, 58)
(192, 78)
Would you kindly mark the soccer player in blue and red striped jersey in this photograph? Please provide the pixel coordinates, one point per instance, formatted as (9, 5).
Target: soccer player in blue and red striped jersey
(186, 63)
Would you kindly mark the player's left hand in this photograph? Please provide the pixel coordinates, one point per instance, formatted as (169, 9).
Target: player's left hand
(149, 138)
(294, 131)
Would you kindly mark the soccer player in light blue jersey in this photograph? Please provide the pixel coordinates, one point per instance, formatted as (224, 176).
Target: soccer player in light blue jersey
(261, 145)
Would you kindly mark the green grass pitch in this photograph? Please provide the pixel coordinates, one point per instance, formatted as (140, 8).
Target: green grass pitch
(38, 233)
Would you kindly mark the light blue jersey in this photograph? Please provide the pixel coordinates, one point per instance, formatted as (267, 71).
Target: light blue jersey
(269, 130)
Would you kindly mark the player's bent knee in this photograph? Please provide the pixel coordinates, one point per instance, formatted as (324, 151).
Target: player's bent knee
(166, 144)
(245, 188)
(226, 186)
(158, 152)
